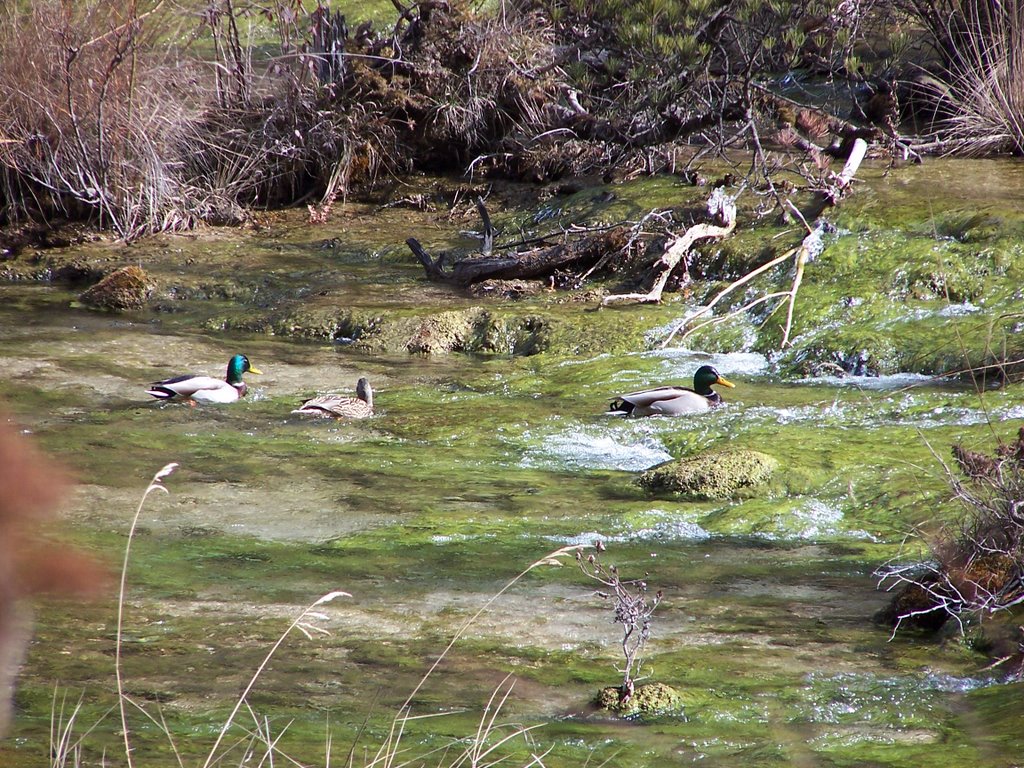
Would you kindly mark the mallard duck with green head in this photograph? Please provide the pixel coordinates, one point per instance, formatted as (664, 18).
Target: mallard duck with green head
(674, 401)
(341, 406)
(206, 389)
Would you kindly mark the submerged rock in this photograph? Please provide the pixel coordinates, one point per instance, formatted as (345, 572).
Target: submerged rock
(125, 288)
(512, 290)
(649, 699)
(714, 475)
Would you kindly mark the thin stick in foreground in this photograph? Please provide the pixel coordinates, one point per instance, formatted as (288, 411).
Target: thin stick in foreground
(154, 485)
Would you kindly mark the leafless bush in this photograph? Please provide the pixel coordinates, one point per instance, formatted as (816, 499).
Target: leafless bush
(978, 565)
(82, 125)
(474, 81)
(632, 606)
(106, 122)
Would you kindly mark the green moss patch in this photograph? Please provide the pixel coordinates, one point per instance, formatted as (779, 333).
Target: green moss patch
(715, 475)
(125, 288)
(651, 700)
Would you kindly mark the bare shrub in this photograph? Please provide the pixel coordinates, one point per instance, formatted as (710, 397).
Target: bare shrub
(632, 608)
(83, 127)
(978, 565)
(108, 123)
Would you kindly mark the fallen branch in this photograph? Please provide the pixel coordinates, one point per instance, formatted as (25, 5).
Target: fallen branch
(830, 195)
(540, 262)
(722, 209)
(808, 250)
(488, 244)
(722, 294)
(810, 247)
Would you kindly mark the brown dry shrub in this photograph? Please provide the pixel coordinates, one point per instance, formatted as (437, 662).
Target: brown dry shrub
(88, 116)
(477, 79)
(978, 561)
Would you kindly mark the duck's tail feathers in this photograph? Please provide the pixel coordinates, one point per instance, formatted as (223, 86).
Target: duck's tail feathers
(619, 407)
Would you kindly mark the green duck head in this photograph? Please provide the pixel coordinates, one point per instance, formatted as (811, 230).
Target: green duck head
(705, 376)
(238, 365)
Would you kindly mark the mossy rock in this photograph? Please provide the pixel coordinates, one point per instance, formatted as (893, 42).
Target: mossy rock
(512, 290)
(125, 288)
(570, 328)
(710, 476)
(452, 331)
(329, 324)
(914, 606)
(651, 699)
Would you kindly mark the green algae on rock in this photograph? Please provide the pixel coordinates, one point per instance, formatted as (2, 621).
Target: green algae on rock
(716, 475)
(650, 699)
(125, 288)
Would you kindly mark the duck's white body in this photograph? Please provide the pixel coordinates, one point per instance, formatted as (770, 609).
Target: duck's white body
(206, 389)
(667, 401)
(674, 400)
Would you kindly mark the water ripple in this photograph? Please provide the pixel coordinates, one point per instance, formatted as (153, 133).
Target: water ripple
(593, 448)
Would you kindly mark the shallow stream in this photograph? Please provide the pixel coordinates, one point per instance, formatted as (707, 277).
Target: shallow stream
(472, 469)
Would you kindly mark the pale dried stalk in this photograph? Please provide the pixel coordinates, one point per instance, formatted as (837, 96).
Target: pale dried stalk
(810, 247)
(155, 485)
(725, 292)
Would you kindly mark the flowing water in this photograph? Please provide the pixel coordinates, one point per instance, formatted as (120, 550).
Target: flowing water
(472, 469)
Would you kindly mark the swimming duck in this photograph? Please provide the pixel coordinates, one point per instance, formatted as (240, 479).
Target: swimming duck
(206, 389)
(673, 401)
(339, 406)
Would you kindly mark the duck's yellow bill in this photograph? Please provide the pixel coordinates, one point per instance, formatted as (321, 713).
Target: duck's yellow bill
(725, 382)
(258, 372)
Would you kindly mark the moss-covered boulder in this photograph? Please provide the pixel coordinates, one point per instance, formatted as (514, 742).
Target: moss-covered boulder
(125, 288)
(710, 476)
(564, 325)
(650, 699)
(472, 329)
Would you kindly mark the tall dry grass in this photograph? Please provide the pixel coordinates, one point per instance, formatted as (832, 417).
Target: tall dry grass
(981, 47)
(246, 736)
(84, 117)
(106, 115)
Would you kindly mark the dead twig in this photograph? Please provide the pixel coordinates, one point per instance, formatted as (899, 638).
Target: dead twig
(722, 210)
(809, 249)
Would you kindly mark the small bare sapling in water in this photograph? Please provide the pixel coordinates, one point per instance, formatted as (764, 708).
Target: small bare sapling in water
(633, 607)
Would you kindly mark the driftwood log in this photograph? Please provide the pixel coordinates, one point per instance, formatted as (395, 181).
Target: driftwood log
(536, 263)
(809, 249)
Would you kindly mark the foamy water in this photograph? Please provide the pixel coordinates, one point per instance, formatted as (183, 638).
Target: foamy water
(594, 448)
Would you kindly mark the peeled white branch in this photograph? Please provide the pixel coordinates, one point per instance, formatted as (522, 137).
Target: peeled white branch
(722, 209)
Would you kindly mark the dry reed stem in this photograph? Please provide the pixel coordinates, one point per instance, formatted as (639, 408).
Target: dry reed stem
(722, 294)
(389, 749)
(810, 247)
(722, 209)
(155, 484)
(210, 759)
